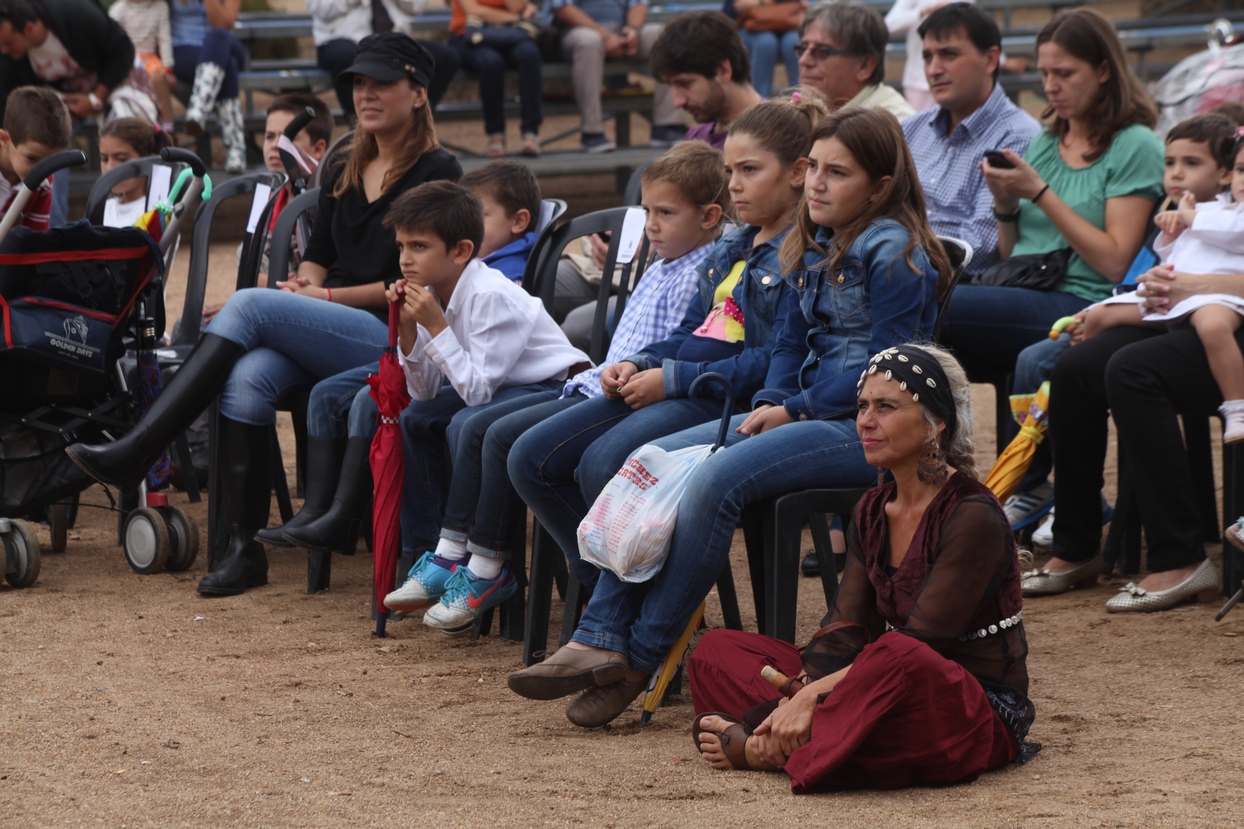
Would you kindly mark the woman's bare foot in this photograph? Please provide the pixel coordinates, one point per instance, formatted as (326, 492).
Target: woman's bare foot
(1058, 565)
(724, 745)
(1166, 579)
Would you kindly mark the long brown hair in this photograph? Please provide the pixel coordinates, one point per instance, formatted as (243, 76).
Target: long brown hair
(364, 150)
(875, 140)
(1122, 99)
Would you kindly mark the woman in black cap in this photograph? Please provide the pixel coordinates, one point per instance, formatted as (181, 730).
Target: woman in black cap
(329, 318)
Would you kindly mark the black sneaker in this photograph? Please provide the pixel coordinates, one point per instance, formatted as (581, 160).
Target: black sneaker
(664, 137)
(596, 142)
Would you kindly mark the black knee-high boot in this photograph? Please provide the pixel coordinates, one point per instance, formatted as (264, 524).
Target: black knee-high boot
(338, 528)
(247, 490)
(324, 457)
(192, 388)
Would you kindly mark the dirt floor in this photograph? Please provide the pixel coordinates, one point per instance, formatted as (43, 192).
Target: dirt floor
(131, 701)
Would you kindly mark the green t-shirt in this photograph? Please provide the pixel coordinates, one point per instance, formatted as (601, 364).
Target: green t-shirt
(1132, 166)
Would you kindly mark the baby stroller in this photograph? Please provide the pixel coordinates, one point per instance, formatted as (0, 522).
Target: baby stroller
(73, 300)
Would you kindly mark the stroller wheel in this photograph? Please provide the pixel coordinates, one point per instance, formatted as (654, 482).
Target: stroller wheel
(183, 533)
(22, 555)
(58, 523)
(147, 541)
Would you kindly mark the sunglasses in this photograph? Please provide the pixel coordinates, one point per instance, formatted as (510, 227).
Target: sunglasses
(819, 52)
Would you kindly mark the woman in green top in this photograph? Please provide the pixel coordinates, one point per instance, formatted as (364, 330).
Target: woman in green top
(1089, 182)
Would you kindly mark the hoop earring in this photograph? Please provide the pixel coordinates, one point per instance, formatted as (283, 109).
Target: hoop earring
(931, 468)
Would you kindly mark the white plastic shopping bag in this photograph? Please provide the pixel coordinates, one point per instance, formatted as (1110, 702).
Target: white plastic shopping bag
(629, 527)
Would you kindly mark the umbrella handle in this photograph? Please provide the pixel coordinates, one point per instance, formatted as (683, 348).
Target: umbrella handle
(393, 311)
(708, 379)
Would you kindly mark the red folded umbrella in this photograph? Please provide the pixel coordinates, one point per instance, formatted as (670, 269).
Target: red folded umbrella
(388, 389)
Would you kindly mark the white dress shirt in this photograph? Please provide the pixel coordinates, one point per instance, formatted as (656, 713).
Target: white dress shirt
(497, 336)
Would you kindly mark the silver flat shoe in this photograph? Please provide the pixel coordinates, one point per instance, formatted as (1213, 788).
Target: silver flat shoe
(1045, 583)
(1133, 599)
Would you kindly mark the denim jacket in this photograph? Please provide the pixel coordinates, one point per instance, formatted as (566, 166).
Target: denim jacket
(834, 320)
(759, 295)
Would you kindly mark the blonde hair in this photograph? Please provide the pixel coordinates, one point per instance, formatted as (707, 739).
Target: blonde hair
(876, 142)
(696, 171)
(364, 150)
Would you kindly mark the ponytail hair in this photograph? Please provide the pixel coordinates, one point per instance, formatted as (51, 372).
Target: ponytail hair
(782, 125)
(876, 142)
(146, 138)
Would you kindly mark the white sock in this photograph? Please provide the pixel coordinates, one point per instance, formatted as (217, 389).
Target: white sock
(1229, 407)
(483, 567)
(451, 550)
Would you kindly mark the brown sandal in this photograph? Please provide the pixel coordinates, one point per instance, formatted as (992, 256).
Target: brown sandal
(733, 738)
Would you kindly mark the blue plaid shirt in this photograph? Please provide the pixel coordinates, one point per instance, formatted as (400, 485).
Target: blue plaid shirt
(959, 203)
(652, 313)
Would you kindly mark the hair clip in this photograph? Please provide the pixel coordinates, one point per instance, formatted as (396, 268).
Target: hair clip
(1239, 132)
(796, 97)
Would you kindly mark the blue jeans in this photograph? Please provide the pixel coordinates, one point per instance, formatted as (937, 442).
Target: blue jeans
(643, 620)
(431, 431)
(292, 342)
(987, 327)
(342, 406)
(544, 460)
(488, 64)
(1033, 367)
(764, 49)
(219, 47)
(482, 503)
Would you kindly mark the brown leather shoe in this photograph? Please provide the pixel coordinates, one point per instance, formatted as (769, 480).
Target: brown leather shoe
(568, 671)
(597, 706)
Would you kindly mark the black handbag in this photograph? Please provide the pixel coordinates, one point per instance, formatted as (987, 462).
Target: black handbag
(1037, 271)
(500, 36)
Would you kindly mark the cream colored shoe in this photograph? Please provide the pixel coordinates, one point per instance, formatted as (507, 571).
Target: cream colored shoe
(1133, 599)
(1045, 583)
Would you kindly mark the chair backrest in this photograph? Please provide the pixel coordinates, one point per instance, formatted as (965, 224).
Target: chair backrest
(634, 186)
(200, 246)
(298, 210)
(342, 144)
(136, 168)
(960, 255)
(540, 279)
(551, 211)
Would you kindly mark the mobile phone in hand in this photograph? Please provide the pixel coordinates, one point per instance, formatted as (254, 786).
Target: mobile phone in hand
(997, 159)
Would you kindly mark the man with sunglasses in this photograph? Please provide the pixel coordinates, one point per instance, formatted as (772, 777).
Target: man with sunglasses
(842, 55)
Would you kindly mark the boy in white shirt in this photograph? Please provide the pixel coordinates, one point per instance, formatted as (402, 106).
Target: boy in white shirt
(466, 332)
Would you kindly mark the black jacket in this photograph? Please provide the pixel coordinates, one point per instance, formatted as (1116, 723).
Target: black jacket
(93, 39)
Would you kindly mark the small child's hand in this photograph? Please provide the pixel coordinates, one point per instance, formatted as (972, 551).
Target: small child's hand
(425, 307)
(1168, 222)
(1078, 331)
(396, 291)
(1187, 209)
(614, 377)
(644, 388)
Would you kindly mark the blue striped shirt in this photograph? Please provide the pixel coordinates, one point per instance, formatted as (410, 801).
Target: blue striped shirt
(652, 313)
(958, 201)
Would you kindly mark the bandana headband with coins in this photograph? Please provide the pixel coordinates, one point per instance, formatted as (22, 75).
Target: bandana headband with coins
(917, 371)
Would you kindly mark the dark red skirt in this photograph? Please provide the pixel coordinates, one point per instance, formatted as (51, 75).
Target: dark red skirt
(903, 716)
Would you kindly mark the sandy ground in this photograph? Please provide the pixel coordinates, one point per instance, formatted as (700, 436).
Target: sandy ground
(129, 700)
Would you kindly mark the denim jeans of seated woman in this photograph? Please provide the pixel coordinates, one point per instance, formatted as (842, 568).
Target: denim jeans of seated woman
(1033, 367)
(219, 47)
(544, 460)
(644, 620)
(488, 64)
(987, 327)
(765, 48)
(430, 439)
(292, 342)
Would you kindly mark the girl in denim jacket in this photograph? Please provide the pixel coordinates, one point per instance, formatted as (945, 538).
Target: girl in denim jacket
(866, 272)
(729, 327)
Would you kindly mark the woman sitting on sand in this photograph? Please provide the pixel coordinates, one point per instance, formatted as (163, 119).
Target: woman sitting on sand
(919, 674)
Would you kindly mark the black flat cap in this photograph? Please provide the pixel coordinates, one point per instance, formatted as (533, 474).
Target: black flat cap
(392, 56)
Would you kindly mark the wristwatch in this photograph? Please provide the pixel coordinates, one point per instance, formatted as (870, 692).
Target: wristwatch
(96, 103)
